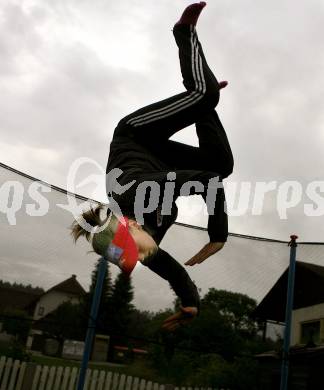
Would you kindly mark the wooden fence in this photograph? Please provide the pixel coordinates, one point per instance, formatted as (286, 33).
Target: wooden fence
(16, 375)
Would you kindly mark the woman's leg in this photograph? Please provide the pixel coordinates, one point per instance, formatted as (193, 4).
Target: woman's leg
(159, 121)
(213, 158)
(214, 145)
(213, 154)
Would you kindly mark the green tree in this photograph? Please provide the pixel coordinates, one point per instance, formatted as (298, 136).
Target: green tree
(64, 323)
(21, 287)
(121, 303)
(236, 308)
(217, 347)
(215, 371)
(105, 306)
(17, 323)
(140, 323)
(224, 326)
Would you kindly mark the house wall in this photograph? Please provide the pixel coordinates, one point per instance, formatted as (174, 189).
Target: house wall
(46, 304)
(310, 313)
(50, 301)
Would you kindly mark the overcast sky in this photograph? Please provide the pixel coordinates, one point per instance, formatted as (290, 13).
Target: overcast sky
(70, 70)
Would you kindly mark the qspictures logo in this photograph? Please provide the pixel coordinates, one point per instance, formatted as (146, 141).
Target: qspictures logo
(242, 198)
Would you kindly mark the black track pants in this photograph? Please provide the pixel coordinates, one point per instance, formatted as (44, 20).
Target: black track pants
(159, 121)
(153, 125)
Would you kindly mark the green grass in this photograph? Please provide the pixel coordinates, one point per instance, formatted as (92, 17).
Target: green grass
(55, 361)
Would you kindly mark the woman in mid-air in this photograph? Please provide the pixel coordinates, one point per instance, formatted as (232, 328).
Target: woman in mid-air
(141, 152)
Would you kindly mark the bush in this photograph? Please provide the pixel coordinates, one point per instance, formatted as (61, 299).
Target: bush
(16, 323)
(17, 351)
(214, 371)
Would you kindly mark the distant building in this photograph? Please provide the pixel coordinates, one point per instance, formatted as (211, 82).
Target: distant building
(38, 305)
(308, 310)
(307, 332)
(70, 290)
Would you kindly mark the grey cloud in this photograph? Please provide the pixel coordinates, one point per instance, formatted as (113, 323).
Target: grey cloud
(57, 94)
(18, 35)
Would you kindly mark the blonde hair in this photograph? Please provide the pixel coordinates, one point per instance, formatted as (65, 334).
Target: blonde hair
(99, 240)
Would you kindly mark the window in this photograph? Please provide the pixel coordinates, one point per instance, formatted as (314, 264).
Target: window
(41, 310)
(310, 332)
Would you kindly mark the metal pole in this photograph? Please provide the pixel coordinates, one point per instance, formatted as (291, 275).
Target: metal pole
(92, 322)
(289, 309)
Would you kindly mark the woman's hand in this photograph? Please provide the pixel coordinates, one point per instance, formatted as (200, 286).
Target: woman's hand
(208, 250)
(182, 317)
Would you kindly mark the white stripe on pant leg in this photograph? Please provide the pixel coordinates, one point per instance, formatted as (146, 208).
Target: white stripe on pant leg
(196, 51)
(185, 104)
(171, 113)
(193, 100)
(202, 85)
(193, 53)
(202, 75)
(181, 101)
(184, 101)
(194, 59)
(187, 99)
(200, 68)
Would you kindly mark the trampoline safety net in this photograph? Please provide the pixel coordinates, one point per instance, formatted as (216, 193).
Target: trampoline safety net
(39, 250)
